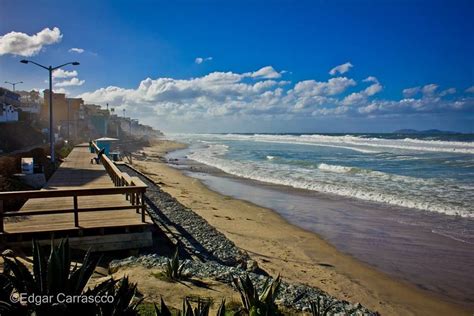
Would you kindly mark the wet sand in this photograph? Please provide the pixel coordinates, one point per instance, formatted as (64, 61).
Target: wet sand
(298, 254)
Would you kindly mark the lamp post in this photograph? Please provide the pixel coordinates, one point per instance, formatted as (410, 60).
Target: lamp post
(13, 84)
(68, 108)
(50, 69)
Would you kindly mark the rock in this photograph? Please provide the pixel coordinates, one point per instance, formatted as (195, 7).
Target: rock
(251, 266)
(221, 259)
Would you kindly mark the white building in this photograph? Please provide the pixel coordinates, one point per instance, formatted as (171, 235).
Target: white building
(8, 113)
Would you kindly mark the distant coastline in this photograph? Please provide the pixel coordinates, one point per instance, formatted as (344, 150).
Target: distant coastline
(424, 132)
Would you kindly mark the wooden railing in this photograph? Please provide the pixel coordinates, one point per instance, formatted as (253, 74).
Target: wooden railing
(132, 187)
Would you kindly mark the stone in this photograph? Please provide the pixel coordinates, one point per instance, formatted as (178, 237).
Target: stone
(251, 266)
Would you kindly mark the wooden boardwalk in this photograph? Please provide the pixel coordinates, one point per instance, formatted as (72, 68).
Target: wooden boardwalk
(77, 173)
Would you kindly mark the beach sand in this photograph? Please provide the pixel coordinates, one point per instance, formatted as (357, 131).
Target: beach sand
(298, 255)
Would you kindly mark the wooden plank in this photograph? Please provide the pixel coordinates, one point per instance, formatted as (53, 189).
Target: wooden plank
(92, 186)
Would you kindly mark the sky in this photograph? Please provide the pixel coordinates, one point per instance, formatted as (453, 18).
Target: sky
(253, 66)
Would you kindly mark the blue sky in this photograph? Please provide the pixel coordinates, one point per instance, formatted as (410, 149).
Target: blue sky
(403, 64)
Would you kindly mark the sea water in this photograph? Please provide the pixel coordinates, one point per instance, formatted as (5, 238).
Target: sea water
(430, 173)
(401, 203)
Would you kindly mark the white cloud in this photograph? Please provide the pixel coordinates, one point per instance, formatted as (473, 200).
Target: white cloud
(233, 96)
(200, 60)
(69, 83)
(266, 72)
(368, 109)
(362, 96)
(373, 89)
(59, 73)
(331, 87)
(60, 90)
(429, 89)
(17, 43)
(341, 69)
(411, 92)
(470, 89)
(76, 50)
(447, 92)
(371, 79)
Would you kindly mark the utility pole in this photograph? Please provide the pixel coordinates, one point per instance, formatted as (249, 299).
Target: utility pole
(68, 109)
(13, 84)
(50, 69)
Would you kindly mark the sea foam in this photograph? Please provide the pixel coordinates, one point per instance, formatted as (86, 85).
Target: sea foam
(369, 185)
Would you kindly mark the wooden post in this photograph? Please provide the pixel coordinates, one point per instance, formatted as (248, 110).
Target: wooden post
(139, 201)
(1, 216)
(143, 206)
(76, 212)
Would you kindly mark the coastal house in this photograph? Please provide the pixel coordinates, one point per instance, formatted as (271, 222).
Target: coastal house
(9, 100)
(30, 102)
(8, 113)
(66, 111)
(98, 119)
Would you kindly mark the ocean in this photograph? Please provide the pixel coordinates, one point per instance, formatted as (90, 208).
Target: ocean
(433, 173)
(403, 204)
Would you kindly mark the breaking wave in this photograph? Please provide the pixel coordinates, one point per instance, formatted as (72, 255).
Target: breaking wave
(435, 195)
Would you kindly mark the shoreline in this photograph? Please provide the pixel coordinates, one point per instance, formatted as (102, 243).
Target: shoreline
(282, 247)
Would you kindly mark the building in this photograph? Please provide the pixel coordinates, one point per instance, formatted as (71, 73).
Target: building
(9, 100)
(64, 109)
(8, 113)
(30, 101)
(98, 119)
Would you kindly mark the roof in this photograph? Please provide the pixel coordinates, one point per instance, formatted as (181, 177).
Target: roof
(102, 139)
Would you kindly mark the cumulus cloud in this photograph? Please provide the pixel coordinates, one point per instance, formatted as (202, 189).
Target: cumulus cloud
(22, 44)
(429, 89)
(69, 83)
(447, 92)
(470, 89)
(59, 73)
(76, 50)
(61, 90)
(233, 95)
(363, 95)
(411, 92)
(200, 60)
(327, 88)
(266, 72)
(341, 69)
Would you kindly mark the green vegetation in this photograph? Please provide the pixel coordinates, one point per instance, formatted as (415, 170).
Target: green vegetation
(221, 310)
(54, 274)
(53, 277)
(201, 309)
(163, 310)
(255, 304)
(322, 306)
(174, 270)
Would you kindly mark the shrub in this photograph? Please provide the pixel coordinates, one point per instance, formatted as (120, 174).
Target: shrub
(255, 304)
(322, 306)
(53, 275)
(173, 269)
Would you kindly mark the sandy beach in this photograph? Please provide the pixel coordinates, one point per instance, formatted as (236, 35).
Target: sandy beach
(280, 247)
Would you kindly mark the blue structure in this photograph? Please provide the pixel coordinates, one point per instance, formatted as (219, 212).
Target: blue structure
(104, 143)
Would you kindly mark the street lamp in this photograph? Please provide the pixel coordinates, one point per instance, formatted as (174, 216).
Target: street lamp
(50, 69)
(13, 84)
